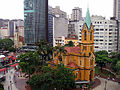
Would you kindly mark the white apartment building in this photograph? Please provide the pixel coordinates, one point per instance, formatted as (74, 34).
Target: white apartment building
(105, 33)
(4, 32)
(59, 41)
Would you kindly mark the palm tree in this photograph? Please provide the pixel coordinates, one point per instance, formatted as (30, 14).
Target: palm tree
(44, 50)
(59, 51)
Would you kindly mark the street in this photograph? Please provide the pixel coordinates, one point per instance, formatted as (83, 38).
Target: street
(107, 85)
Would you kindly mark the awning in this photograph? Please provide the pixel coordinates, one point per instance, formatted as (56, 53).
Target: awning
(3, 69)
(14, 65)
(2, 56)
(80, 82)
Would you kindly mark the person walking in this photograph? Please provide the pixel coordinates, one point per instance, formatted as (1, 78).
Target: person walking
(8, 87)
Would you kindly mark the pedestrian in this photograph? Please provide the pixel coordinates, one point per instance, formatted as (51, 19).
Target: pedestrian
(8, 87)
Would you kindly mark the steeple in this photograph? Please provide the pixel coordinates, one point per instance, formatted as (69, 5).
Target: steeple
(88, 19)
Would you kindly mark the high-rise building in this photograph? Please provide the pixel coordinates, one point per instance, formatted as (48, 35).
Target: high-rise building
(76, 14)
(35, 21)
(116, 14)
(58, 24)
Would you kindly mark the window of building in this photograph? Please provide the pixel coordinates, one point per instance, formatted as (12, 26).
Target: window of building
(110, 43)
(90, 35)
(84, 48)
(91, 48)
(97, 29)
(110, 29)
(101, 29)
(85, 35)
(96, 47)
(76, 74)
(101, 39)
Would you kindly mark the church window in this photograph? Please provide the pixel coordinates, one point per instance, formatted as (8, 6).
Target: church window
(85, 36)
(76, 74)
(91, 48)
(90, 35)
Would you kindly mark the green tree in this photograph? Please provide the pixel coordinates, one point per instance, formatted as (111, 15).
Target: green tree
(44, 80)
(44, 50)
(102, 58)
(64, 78)
(70, 44)
(115, 62)
(12, 49)
(29, 62)
(59, 51)
(118, 67)
(1, 87)
(6, 43)
(50, 78)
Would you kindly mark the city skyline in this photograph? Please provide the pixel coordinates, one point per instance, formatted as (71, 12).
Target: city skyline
(15, 9)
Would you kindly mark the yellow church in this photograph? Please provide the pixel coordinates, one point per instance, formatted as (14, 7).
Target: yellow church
(81, 59)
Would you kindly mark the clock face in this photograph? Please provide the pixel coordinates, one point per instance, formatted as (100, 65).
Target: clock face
(28, 4)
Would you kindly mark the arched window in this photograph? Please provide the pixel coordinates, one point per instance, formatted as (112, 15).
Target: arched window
(85, 36)
(90, 35)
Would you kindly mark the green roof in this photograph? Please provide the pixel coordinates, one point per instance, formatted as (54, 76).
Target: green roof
(88, 19)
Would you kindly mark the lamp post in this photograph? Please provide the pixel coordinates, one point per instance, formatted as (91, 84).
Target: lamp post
(105, 84)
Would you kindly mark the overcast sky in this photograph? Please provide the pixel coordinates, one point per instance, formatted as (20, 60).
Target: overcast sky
(13, 9)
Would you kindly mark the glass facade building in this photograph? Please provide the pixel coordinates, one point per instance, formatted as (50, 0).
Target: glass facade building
(35, 20)
(116, 14)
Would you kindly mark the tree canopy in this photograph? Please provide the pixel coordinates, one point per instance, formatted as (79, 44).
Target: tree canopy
(29, 62)
(102, 58)
(45, 51)
(51, 78)
(6, 43)
(70, 44)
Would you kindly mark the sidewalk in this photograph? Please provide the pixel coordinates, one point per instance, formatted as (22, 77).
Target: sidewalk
(9, 80)
(20, 82)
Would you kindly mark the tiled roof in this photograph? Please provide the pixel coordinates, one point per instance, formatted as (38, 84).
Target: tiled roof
(72, 64)
(74, 49)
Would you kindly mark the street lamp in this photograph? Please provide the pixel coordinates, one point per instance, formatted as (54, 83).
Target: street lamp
(105, 84)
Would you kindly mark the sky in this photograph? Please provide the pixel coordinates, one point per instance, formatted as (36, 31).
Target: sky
(13, 9)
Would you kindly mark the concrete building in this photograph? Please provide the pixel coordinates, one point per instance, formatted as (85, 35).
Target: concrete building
(35, 21)
(4, 33)
(59, 41)
(58, 24)
(116, 14)
(57, 11)
(105, 33)
(76, 14)
(19, 36)
(71, 30)
(73, 38)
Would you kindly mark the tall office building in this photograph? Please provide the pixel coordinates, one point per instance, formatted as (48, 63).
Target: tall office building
(76, 14)
(116, 14)
(35, 20)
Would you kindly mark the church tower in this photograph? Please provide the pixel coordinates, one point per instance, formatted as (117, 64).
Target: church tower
(87, 36)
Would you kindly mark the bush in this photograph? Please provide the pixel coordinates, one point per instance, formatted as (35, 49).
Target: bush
(11, 49)
(1, 87)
